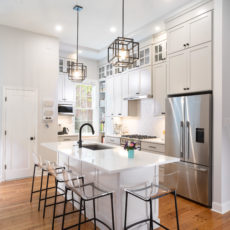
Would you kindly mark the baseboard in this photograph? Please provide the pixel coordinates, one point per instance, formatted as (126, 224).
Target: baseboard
(221, 208)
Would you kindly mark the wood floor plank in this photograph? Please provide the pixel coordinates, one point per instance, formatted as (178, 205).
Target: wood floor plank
(17, 213)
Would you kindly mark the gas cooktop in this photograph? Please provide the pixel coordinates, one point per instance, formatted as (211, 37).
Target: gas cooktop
(137, 136)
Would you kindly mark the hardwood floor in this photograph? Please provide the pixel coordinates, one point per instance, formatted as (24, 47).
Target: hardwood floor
(17, 213)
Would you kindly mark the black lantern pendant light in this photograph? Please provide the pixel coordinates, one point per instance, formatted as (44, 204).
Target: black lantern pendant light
(78, 71)
(123, 52)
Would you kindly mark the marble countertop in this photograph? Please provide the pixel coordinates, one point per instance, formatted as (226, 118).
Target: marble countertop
(111, 160)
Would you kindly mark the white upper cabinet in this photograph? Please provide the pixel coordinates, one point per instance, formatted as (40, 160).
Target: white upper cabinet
(192, 33)
(177, 72)
(145, 81)
(134, 83)
(200, 29)
(117, 97)
(65, 89)
(190, 70)
(177, 38)
(200, 68)
(159, 86)
(125, 93)
(109, 97)
(145, 56)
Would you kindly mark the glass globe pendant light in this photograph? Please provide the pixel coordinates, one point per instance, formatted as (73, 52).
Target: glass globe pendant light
(78, 71)
(123, 52)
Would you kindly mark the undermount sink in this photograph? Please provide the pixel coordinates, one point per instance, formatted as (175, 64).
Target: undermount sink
(97, 147)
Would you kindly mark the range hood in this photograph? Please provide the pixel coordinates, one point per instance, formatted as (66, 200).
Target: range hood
(138, 97)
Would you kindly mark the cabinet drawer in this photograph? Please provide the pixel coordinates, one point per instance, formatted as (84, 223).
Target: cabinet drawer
(152, 147)
(112, 140)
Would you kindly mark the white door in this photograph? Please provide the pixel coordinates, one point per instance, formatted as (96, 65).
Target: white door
(159, 85)
(177, 73)
(20, 143)
(200, 68)
(134, 83)
(146, 81)
(178, 37)
(200, 29)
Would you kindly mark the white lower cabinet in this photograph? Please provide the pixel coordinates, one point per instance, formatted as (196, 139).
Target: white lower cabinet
(190, 70)
(159, 86)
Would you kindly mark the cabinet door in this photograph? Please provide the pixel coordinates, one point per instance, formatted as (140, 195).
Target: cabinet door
(159, 85)
(146, 81)
(200, 29)
(177, 38)
(177, 73)
(60, 87)
(125, 93)
(68, 89)
(109, 96)
(117, 96)
(134, 83)
(108, 125)
(200, 71)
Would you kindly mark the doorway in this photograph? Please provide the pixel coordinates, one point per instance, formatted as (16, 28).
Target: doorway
(19, 124)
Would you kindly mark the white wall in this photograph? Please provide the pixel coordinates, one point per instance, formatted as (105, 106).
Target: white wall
(29, 60)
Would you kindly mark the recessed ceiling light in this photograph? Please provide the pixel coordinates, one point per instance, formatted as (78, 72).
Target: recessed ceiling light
(157, 28)
(113, 29)
(58, 28)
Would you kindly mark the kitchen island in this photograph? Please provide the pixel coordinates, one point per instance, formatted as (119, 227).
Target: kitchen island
(112, 169)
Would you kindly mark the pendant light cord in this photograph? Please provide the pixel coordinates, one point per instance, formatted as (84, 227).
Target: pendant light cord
(77, 35)
(123, 18)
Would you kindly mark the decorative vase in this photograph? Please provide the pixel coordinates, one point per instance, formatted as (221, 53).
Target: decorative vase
(131, 153)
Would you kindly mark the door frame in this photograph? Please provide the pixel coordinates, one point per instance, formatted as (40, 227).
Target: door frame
(3, 144)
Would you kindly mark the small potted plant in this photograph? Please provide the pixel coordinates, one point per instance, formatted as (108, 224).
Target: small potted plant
(130, 146)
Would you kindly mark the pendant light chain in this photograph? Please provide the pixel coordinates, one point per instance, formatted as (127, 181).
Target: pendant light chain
(123, 18)
(77, 35)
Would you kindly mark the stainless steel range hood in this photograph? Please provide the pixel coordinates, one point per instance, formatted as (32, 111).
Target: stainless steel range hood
(138, 97)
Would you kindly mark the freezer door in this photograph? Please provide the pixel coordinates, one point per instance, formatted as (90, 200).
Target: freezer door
(174, 127)
(193, 181)
(198, 129)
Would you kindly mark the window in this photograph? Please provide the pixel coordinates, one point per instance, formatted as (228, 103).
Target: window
(84, 109)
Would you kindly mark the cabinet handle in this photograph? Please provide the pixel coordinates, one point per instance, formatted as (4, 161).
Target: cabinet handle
(152, 147)
(185, 88)
(137, 93)
(119, 114)
(188, 88)
(163, 113)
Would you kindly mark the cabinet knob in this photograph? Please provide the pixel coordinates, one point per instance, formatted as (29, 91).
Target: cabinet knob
(187, 44)
(185, 88)
(184, 45)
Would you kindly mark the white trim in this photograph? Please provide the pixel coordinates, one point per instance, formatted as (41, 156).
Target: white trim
(221, 208)
(3, 155)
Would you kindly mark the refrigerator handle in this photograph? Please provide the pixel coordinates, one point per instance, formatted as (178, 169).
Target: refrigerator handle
(188, 132)
(182, 139)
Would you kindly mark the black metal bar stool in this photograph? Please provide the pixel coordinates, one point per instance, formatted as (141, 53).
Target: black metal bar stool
(38, 163)
(58, 175)
(87, 192)
(149, 193)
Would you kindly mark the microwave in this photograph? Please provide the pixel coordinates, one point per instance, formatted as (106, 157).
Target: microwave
(65, 109)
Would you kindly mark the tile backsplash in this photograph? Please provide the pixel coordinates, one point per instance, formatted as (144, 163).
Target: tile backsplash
(68, 122)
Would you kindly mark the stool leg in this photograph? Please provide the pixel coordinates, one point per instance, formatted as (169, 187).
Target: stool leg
(32, 189)
(72, 201)
(126, 207)
(40, 194)
(151, 214)
(79, 219)
(63, 219)
(94, 215)
(177, 219)
(55, 201)
(47, 184)
(85, 210)
(113, 226)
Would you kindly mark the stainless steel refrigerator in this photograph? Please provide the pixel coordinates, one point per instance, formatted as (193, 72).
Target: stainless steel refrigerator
(189, 136)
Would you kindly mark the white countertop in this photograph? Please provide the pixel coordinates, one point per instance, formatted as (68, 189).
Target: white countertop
(111, 160)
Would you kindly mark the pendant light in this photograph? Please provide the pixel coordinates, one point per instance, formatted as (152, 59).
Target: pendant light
(123, 52)
(78, 71)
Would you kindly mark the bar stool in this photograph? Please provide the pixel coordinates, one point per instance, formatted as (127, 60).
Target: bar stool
(38, 163)
(58, 175)
(87, 192)
(148, 193)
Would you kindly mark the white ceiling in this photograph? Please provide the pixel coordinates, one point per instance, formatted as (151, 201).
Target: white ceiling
(98, 16)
